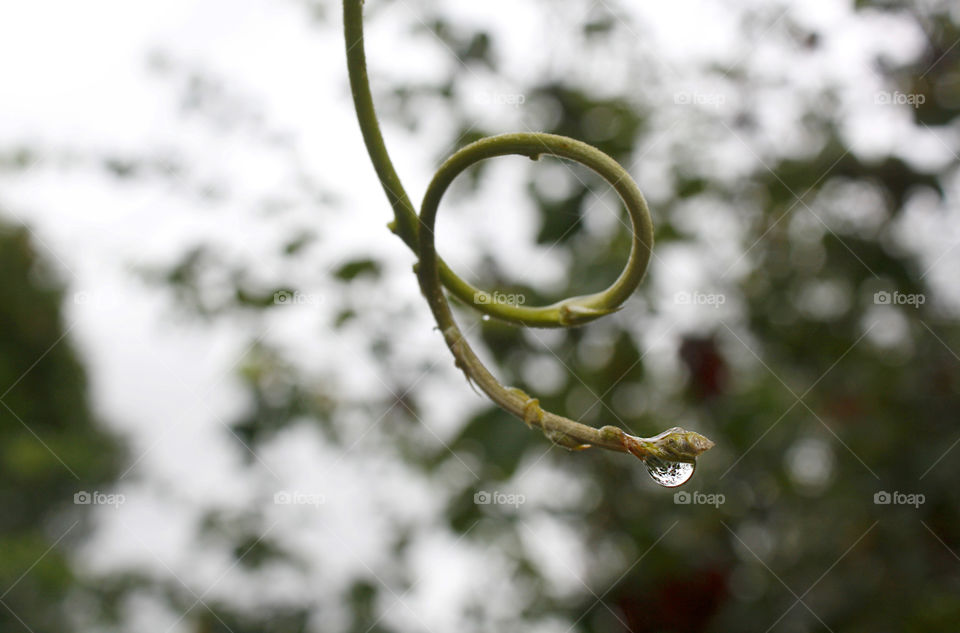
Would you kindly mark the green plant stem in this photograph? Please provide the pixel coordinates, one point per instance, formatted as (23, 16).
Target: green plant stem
(433, 274)
(561, 430)
(572, 311)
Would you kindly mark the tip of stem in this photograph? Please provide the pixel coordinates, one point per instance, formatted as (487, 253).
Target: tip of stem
(675, 445)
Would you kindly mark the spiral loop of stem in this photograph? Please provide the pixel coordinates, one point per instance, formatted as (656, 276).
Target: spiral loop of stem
(417, 231)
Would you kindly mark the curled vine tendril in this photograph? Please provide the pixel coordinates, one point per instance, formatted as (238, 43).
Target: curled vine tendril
(417, 231)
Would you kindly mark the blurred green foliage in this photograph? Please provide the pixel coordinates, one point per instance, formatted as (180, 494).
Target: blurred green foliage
(50, 447)
(784, 552)
(883, 417)
(783, 388)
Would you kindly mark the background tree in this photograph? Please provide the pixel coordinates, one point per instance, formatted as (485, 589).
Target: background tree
(52, 447)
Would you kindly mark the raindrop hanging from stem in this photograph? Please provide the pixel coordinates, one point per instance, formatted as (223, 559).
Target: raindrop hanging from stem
(669, 474)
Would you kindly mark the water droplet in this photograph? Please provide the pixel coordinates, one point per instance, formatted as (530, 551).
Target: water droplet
(485, 317)
(669, 474)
